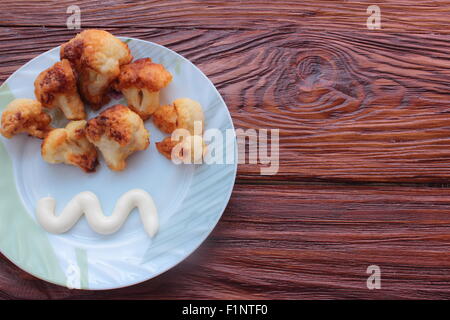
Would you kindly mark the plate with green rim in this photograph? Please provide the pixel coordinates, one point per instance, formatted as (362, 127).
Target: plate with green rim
(190, 198)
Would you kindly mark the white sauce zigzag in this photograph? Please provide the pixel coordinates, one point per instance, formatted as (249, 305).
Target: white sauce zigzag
(88, 204)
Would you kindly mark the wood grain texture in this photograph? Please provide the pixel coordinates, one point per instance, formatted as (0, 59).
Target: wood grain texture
(300, 242)
(397, 15)
(364, 142)
(349, 107)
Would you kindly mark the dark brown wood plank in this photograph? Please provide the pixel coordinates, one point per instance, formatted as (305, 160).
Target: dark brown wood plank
(351, 104)
(350, 107)
(397, 15)
(304, 241)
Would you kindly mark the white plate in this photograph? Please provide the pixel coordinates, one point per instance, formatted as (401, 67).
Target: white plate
(190, 199)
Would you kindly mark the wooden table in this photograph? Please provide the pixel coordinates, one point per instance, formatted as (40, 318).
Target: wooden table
(364, 119)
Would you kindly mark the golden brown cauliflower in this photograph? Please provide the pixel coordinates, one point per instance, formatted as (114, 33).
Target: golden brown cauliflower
(25, 115)
(69, 145)
(182, 114)
(185, 114)
(96, 55)
(191, 149)
(140, 83)
(56, 87)
(165, 118)
(117, 132)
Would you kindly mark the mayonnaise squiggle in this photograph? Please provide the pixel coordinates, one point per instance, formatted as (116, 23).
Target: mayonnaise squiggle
(87, 203)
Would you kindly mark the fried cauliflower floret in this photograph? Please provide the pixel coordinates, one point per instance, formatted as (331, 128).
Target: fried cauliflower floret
(165, 118)
(25, 116)
(189, 149)
(140, 83)
(56, 87)
(69, 145)
(182, 114)
(96, 55)
(118, 132)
